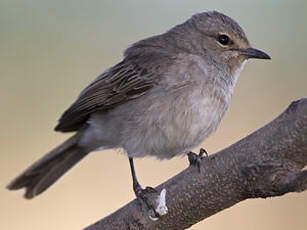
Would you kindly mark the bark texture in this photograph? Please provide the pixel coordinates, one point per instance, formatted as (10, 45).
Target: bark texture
(268, 162)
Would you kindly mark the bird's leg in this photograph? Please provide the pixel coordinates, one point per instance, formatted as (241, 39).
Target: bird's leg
(195, 159)
(140, 193)
(136, 186)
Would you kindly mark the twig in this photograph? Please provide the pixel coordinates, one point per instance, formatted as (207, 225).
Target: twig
(267, 163)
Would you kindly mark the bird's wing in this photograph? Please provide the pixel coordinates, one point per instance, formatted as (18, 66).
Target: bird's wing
(123, 82)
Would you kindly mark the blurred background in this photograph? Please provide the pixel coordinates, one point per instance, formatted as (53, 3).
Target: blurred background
(50, 50)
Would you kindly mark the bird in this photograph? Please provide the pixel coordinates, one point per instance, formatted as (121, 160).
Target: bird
(167, 95)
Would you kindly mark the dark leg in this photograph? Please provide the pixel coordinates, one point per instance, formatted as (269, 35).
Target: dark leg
(136, 186)
(195, 159)
(142, 194)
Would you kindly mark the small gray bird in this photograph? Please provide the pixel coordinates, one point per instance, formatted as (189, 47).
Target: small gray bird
(167, 95)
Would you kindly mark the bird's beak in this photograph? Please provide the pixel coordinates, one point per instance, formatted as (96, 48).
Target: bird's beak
(254, 53)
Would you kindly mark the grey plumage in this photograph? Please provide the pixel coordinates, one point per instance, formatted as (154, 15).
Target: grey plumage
(43, 173)
(168, 94)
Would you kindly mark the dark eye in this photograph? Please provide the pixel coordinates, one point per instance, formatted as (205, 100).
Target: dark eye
(223, 39)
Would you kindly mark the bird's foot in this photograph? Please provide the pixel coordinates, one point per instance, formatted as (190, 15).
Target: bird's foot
(148, 196)
(195, 159)
(155, 202)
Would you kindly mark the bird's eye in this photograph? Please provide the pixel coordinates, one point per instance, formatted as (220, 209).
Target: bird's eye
(223, 39)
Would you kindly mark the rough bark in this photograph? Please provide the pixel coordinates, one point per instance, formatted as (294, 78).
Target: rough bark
(268, 162)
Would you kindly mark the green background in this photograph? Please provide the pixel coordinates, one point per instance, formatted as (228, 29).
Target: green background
(50, 50)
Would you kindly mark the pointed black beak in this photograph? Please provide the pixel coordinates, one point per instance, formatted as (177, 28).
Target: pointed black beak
(254, 53)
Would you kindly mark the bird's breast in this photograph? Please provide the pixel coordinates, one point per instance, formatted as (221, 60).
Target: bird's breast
(204, 109)
(177, 123)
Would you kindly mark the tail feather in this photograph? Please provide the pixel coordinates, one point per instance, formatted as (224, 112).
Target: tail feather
(47, 170)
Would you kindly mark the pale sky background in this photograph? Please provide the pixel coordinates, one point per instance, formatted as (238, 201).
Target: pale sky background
(50, 50)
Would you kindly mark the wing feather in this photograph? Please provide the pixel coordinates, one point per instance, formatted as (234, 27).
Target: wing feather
(123, 82)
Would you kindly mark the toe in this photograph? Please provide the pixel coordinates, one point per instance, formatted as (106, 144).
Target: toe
(192, 157)
(203, 152)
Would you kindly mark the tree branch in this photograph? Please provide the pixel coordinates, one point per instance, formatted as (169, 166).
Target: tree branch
(267, 163)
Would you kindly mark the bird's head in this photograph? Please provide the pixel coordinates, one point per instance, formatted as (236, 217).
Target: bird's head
(223, 39)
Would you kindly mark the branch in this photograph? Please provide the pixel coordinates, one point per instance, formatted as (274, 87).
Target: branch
(267, 163)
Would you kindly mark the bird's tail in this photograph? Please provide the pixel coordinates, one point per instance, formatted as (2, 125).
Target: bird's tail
(47, 170)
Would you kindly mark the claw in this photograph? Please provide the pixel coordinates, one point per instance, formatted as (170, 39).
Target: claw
(195, 159)
(203, 151)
